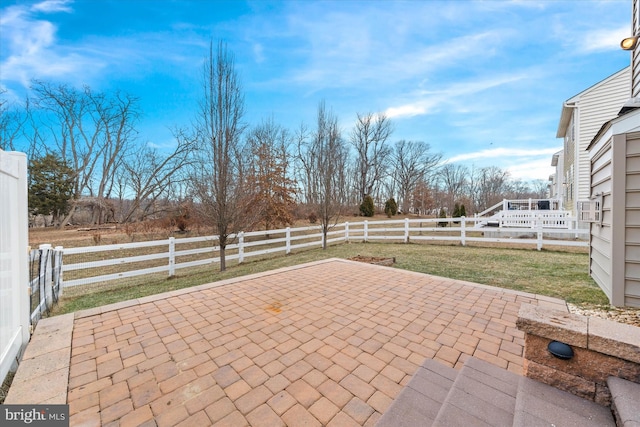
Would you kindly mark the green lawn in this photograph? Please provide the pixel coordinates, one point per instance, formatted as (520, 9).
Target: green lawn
(561, 274)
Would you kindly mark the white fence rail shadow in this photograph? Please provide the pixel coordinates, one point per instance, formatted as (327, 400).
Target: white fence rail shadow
(14, 299)
(99, 264)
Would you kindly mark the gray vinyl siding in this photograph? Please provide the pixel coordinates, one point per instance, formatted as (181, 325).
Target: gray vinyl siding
(600, 248)
(632, 221)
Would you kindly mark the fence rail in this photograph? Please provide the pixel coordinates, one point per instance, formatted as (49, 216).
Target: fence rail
(98, 264)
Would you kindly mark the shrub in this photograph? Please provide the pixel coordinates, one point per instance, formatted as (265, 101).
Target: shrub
(390, 207)
(313, 218)
(442, 214)
(366, 207)
(456, 213)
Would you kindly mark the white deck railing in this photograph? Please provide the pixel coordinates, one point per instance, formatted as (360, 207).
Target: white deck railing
(98, 264)
(524, 213)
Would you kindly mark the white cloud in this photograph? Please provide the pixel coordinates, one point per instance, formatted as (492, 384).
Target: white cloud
(531, 169)
(522, 164)
(363, 48)
(31, 45)
(499, 153)
(456, 96)
(50, 6)
(602, 39)
(407, 110)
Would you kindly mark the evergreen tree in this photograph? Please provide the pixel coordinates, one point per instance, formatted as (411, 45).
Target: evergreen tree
(463, 211)
(366, 207)
(442, 214)
(456, 213)
(390, 207)
(50, 186)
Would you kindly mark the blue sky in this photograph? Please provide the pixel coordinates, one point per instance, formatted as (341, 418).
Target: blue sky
(481, 81)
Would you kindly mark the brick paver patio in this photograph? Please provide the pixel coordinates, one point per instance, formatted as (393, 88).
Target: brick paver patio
(326, 343)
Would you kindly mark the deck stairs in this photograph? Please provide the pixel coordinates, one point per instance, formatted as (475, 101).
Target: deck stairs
(481, 394)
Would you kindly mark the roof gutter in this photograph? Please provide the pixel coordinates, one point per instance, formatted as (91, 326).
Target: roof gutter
(565, 118)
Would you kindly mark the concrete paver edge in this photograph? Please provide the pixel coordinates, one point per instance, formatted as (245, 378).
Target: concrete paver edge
(28, 389)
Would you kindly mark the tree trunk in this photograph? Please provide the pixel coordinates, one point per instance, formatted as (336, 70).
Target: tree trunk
(223, 259)
(67, 218)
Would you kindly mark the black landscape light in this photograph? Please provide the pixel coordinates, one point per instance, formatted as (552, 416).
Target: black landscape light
(560, 350)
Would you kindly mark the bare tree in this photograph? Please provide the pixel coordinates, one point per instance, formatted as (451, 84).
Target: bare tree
(65, 112)
(115, 117)
(540, 188)
(453, 178)
(492, 186)
(369, 138)
(12, 122)
(304, 166)
(218, 181)
(92, 132)
(147, 177)
(412, 163)
(324, 157)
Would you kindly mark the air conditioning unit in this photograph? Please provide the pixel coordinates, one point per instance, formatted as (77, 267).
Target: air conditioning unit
(591, 210)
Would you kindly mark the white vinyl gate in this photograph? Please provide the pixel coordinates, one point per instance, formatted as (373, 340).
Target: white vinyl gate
(14, 274)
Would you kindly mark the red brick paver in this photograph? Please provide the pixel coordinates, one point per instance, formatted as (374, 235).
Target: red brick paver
(326, 343)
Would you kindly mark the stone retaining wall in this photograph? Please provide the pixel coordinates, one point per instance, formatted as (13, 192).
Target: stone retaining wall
(602, 348)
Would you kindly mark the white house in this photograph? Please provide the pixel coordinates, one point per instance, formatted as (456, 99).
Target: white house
(556, 189)
(613, 208)
(581, 118)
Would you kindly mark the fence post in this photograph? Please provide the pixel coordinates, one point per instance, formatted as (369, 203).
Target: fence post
(406, 230)
(539, 233)
(365, 230)
(172, 256)
(240, 247)
(463, 231)
(45, 272)
(57, 272)
(288, 241)
(346, 232)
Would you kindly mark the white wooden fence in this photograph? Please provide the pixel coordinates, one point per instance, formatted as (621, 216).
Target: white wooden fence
(14, 275)
(97, 264)
(45, 280)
